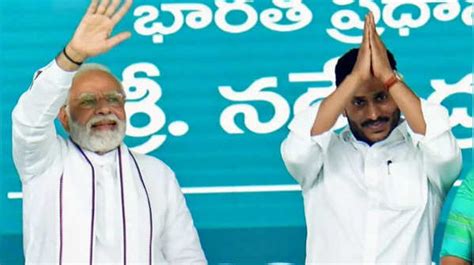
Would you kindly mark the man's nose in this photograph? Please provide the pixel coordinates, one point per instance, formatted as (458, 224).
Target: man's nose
(373, 111)
(103, 108)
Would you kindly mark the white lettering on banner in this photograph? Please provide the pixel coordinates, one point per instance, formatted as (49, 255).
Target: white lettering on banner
(406, 20)
(459, 116)
(347, 23)
(199, 16)
(349, 20)
(142, 95)
(297, 13)
(467, 13)
(224, 8)
(447, 11)
(315, 94)
(251, 118)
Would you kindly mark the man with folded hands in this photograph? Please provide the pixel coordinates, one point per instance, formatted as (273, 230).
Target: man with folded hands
(373, 192)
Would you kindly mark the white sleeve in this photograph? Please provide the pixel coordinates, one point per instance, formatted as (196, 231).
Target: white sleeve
(180, 239)
(441, 155)
(302, 153)
(35, 143)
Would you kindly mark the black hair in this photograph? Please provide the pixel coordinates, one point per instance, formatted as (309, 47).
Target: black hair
(347, 61)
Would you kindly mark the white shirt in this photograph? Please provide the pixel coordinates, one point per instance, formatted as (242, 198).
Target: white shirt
(38, 154)
(374, 204)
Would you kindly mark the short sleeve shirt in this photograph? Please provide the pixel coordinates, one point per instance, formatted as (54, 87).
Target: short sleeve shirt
(459, 234)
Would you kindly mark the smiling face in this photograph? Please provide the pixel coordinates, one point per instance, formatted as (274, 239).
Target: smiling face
(95, 113)
(372, 114)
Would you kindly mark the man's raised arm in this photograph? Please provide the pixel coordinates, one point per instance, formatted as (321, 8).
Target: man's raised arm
(428, 122)
(35, 143)
(406, 100)
(333, 105)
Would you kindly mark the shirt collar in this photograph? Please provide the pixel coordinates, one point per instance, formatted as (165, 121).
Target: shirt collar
(103, 159)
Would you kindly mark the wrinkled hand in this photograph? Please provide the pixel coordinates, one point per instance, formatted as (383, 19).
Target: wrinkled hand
(362, 67)
(380, 64)
(93, 35)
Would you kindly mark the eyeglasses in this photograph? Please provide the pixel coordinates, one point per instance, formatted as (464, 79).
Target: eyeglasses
(91, 101)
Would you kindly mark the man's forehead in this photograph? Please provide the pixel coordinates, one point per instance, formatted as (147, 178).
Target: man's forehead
(94, 75)
(91, 92)
(369, 92)
(112, 92)
(95, 81)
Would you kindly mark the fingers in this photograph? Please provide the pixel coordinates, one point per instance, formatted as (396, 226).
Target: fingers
(117, 39)
(369, 32)
(373, 43)
(365, 45)
(102, 7)
(375, 38)
(370, 26)
(366, 30)
(92, 7)
(122, 11)
(363, 63)
(372, 19)
(111, 9)
(380, 62)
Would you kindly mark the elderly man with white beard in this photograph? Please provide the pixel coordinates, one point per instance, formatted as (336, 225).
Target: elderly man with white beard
(89, 199)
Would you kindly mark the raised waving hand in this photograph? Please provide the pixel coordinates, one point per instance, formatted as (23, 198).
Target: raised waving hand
(93, 35)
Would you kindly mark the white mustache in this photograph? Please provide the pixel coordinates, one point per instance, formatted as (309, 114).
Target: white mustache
(101, 118)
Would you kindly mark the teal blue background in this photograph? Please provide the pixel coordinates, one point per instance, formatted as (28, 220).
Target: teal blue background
(234, 228)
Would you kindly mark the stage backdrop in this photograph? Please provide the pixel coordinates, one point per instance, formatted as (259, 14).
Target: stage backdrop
(212, 85)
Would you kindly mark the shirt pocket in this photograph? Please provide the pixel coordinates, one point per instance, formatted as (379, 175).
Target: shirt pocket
(404, 186)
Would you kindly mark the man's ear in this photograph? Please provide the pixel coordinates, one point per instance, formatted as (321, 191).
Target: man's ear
(63, 118)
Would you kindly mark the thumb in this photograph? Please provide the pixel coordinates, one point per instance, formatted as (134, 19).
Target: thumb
(117, 39)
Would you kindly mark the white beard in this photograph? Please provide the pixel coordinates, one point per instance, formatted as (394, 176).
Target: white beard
(100, 141)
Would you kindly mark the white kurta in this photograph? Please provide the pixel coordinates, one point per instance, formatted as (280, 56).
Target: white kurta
(107, 236)
(374, 204)
(40, 156)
